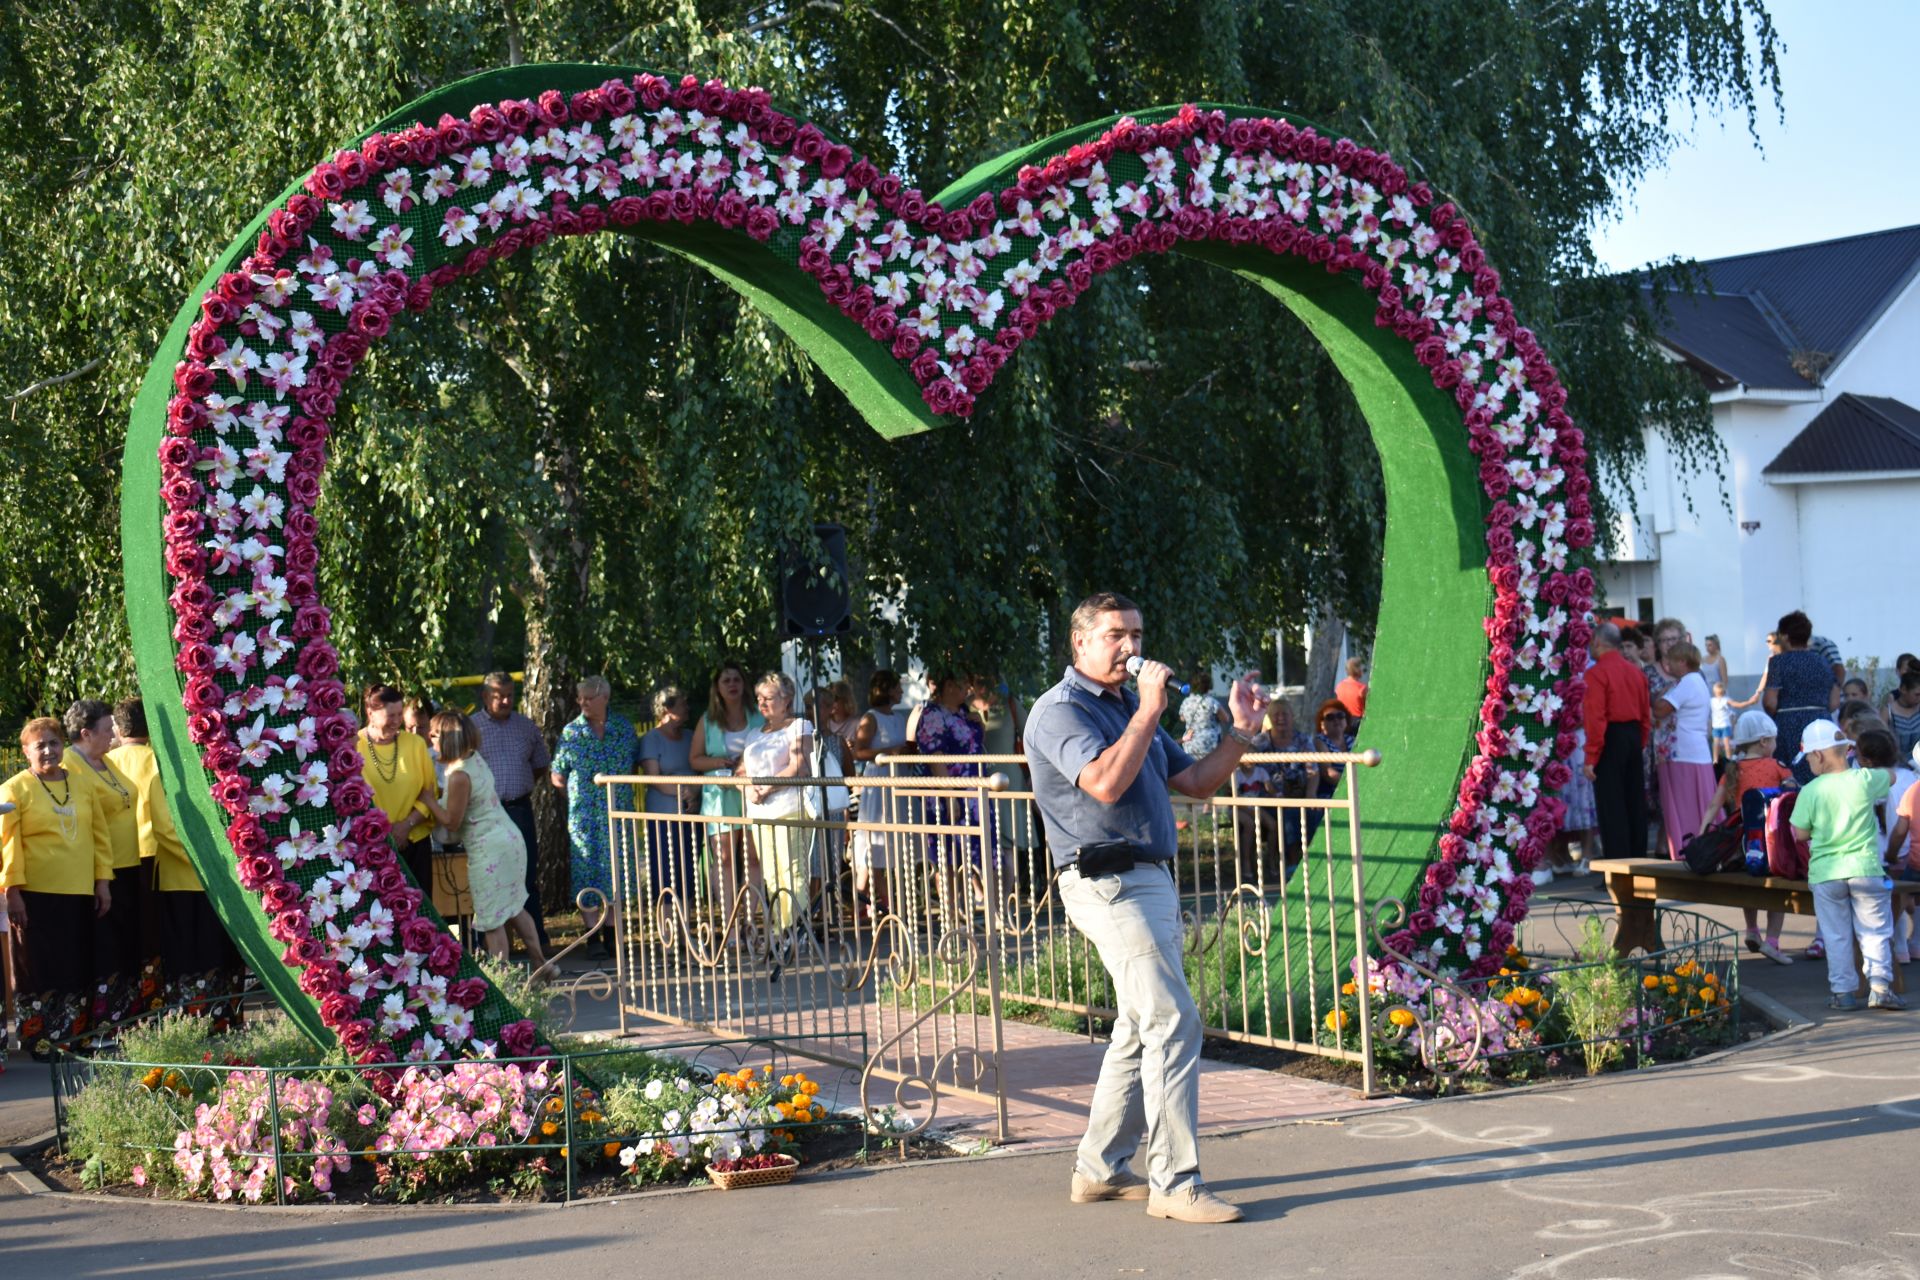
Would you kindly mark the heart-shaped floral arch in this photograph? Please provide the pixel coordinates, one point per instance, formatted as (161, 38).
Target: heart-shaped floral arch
(910, 304)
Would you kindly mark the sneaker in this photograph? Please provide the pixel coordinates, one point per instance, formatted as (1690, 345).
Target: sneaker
(1843, 1000)
(1753, 941)
(1543, 876)
(1124, 1186)
(1816, 950)
(1771, 950)
(1192, 1204)
(1884, 998)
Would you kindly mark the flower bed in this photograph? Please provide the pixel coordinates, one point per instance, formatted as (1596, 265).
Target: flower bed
(1562, 1004)
(253, 1120)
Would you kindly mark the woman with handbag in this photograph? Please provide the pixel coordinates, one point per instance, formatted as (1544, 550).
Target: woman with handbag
(496, 852)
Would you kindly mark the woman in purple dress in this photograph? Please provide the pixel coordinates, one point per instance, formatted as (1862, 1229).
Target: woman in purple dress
(948, 727)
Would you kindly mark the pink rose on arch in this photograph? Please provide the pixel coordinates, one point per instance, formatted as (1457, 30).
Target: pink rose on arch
(247, 836)
(418, 935)
(288, 926)
(301, 588)
(304, 952)
(1431, 895)
(321, 981)
(468, 993)
(256, 871)
(332, 731)
(444, 956)
(338, 1009)
(280, 896)
(326, 696)
(194, 627)
(353, 796)
(317, 660)
(1580, 533)
(1420, 922)
(356, 1037)
(313, 621)
(202, 695)
(194, 659)
(517, 1038)
(1556, 775)
(390, 882)
(344, 762)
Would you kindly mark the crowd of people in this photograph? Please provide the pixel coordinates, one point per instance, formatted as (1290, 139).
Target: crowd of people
(1667, 751)
(104, 914)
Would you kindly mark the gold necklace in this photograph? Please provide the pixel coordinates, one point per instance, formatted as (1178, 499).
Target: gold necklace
(391, 769)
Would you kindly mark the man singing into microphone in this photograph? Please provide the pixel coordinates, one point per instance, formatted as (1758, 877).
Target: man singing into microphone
(1101, 768)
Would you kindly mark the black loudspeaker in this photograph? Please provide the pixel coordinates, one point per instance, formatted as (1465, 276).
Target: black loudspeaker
(814, 598)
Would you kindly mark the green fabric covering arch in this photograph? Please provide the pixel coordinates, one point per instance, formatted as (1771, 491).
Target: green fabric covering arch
(1482, 629)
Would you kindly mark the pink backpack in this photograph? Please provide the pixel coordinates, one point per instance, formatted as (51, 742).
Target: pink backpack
(1786, 852)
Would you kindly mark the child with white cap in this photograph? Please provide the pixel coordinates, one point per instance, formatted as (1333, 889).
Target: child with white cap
(1753, 768)
(1852, 896)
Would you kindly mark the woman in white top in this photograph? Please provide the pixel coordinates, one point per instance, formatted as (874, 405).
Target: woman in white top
(1686, 773)
(883, 730)
(779, 749)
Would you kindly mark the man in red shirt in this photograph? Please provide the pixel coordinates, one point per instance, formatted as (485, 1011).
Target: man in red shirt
(1352, 691)
(1619, 722)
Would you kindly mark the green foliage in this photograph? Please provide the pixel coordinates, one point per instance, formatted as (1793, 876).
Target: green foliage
(1596, 996)
(597, 455)
(267, 1040)
(116, 1122)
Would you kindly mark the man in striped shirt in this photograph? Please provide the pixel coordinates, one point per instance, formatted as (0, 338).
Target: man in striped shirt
(1619, 718)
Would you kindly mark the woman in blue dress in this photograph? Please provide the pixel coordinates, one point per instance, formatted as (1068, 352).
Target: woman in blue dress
(948, 727)
(598, 740)
(1799, 690)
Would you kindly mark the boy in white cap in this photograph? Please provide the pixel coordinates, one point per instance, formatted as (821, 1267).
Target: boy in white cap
(1852, 896)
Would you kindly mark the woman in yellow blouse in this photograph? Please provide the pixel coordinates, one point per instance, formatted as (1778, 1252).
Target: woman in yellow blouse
(125, 961)
(198, 959)
(56, 865)
(399, 768)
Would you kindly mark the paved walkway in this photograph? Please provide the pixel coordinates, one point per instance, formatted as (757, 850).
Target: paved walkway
(1793, 1157)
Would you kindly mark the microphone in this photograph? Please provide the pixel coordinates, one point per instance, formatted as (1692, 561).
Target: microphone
(1136, 662)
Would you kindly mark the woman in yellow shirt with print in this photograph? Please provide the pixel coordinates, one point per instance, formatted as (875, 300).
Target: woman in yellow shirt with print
(56, 865)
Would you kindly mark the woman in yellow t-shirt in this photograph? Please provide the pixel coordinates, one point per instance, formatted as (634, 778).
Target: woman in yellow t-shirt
(399, 768)
(56, 865)
(201, 966)
(126, 960)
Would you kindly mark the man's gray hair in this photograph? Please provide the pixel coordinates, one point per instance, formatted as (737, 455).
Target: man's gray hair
(594, 687)
(1087, 613)
(1608, 634)
(499, 680)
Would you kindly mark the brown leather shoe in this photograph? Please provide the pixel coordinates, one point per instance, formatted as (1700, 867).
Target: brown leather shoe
(1192, 1204)
(1125, 1186)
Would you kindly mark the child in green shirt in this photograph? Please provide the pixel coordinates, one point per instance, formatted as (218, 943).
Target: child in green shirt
(1852, 896)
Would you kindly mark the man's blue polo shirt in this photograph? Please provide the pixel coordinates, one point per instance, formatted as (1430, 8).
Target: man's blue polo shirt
(1067, 728)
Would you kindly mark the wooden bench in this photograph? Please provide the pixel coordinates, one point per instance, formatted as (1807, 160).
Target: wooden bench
(1636, 884)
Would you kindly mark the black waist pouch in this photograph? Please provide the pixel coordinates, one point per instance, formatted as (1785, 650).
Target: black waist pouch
(1107, 858)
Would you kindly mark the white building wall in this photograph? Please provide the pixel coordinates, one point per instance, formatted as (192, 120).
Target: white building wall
(1854, 572)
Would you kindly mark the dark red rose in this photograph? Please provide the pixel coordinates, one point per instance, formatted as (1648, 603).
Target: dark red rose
(353, 796)
(326, 696)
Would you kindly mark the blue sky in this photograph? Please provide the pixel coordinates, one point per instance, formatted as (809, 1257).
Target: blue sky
(1848, 88)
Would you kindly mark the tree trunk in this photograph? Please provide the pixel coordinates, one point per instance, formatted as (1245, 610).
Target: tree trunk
(549, 704)
(1323, 663)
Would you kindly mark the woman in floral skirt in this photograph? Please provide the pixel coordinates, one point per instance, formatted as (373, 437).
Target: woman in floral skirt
(496, 851)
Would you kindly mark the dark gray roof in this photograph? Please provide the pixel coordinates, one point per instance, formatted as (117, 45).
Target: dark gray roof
(1854, 433)
(1779, 319)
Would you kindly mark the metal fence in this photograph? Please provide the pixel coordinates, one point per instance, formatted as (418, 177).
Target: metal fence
(897, 935)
